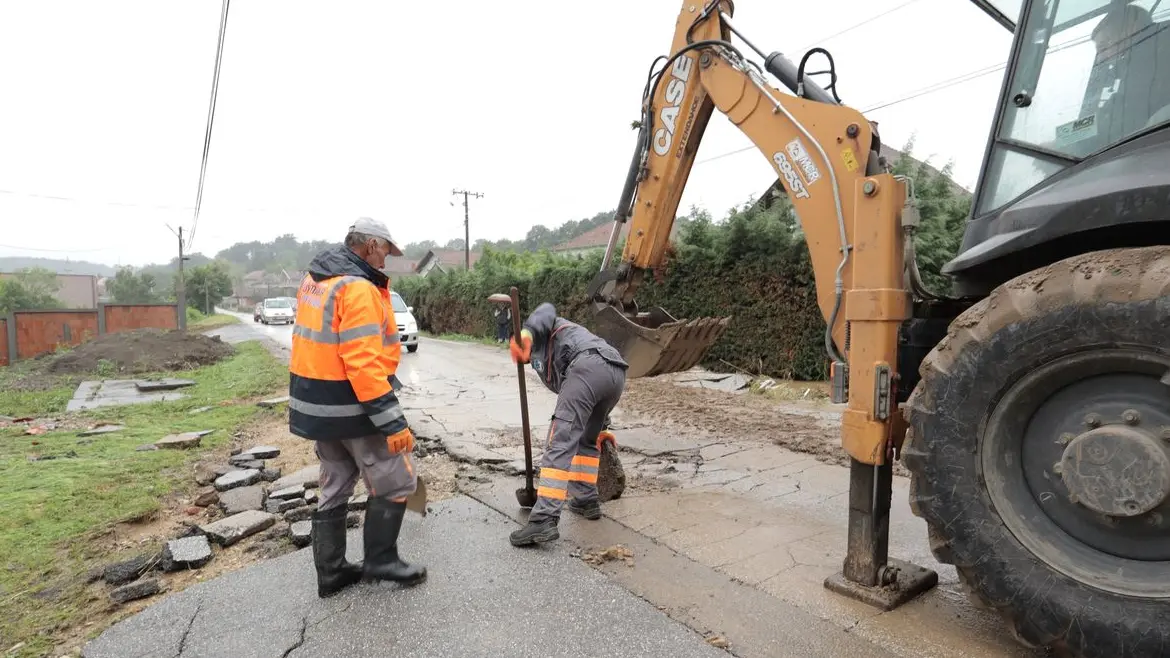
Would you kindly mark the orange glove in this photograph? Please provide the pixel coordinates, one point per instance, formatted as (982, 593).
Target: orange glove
(522, 354)
(402, 442)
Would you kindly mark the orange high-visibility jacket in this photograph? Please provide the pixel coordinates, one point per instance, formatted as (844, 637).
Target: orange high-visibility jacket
(345, 351)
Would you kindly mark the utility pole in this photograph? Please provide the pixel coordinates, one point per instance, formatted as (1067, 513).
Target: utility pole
(181, 288)
(466, 227)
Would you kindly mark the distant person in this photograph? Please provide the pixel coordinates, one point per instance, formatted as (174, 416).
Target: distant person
(503, 314)
(588, 375)
(342, 384)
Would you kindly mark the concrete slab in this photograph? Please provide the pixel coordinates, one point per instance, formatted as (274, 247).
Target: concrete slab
(115, 392)
(496, 600)
(167, 384)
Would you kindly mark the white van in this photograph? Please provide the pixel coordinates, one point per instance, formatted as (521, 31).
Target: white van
(407, 326)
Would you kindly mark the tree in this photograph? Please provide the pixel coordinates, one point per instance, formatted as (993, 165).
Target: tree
(207, 285)
(30, 288)
(129, 288)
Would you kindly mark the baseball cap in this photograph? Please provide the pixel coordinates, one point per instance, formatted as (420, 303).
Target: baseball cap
(373, 227)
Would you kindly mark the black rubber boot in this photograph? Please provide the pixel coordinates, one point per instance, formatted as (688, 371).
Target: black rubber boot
(590, 509)
(334, 573)
(381, 562)
(536, 532)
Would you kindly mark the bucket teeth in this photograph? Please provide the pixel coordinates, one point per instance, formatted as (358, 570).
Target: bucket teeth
(655, 343)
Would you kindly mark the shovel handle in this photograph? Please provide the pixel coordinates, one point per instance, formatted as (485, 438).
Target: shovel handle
(514, 293)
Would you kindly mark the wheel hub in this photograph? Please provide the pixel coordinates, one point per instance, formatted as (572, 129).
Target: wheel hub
(1117, 470)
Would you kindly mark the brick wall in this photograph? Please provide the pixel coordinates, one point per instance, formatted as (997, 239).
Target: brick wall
(27, 334)
(39, 332)
(3, 342)
(125, 317)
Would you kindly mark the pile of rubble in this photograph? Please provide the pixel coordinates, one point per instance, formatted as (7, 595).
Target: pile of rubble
(241, 498)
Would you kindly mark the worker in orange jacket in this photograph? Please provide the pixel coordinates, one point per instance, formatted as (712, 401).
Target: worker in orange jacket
(345, 351)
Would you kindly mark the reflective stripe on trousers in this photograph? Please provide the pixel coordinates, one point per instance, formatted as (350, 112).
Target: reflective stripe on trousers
(568, 468)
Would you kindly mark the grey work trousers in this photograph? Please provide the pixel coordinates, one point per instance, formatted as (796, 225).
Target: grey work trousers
(568, 468)
(385, 474)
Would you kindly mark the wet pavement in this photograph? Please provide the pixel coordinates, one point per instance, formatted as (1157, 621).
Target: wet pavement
(713, 520)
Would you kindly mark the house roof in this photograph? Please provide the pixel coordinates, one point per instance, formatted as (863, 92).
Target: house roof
(594, 237)
(400, 266)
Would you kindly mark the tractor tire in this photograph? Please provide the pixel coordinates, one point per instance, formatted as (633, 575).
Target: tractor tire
(1039, 448)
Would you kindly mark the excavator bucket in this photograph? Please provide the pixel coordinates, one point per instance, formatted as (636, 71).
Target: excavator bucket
(655, 343)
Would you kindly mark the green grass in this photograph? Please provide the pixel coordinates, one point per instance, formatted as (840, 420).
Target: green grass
(54, 509)
(463, 338)
(209, 322)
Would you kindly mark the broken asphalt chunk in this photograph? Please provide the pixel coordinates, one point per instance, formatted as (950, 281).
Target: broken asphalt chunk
(206, 496)
(237, 479)
(226, 532)
(133, 591)
(126, 571)
(300, 533)
(358, 502)
(263, 452)
(102, 429)
(303, 513)
(307, 477)
(186, 553)
(273, 401)
(282, 505)
(182, 441)
(295, 491)
(241, 499)
(270, 474)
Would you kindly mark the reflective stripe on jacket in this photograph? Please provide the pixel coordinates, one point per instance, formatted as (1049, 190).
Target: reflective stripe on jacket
(345, 351)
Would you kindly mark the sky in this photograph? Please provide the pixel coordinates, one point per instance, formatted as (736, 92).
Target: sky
(329, 111)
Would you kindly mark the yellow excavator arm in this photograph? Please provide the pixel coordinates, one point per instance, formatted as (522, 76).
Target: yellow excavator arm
(850, 211)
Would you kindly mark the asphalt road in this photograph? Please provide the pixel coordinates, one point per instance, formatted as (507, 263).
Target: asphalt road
(482, 598)
(713, 518)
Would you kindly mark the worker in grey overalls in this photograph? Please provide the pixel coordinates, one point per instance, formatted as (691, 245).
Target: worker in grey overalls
(588, 375)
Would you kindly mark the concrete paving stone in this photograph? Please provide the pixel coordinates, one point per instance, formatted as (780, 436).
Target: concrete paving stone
(263, 452)
(307, 477)
(515, 603)
(114, 392)
(242, 499)
(165, 384)
(234, 479)
(294, 491)
(232, 529)
(186, 553)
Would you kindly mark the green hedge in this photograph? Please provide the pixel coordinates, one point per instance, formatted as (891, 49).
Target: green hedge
(753, 266)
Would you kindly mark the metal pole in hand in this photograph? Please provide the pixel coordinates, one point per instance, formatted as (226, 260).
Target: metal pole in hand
(526, 496)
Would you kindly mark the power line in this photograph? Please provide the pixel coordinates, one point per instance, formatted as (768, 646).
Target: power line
(210, 117)
(55, 197)
(855, 26)
(55, 251)
(923, 91)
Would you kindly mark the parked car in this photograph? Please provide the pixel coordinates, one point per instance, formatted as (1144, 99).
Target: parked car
(407, 326)
(256, 312)
(277, 310)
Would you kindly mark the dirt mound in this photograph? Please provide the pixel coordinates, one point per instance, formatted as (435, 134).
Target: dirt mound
(142, 350)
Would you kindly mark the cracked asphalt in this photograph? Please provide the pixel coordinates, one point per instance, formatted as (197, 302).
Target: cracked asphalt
(716, 519)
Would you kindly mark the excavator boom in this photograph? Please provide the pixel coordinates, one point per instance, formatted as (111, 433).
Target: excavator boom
(819, 149)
